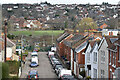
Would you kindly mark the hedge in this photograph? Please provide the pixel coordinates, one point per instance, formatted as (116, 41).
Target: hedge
(5, 71)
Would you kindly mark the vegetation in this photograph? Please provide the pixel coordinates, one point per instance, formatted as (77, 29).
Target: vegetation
(13, 67)
(85, 24)
(11, 36)
(38, 33)
(5, 71)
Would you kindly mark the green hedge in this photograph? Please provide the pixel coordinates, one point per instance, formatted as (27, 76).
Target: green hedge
(13, 67)
(5, 71)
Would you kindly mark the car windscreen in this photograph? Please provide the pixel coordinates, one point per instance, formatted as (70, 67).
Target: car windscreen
(33, 62)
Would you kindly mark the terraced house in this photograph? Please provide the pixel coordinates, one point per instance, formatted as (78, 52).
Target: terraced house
(114, 56)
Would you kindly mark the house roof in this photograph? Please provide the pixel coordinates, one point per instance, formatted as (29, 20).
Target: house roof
(10, 43)
(111, 42)
(91, 43)
(118, 41)
(77, 44)
(103, 26)
(63, 36)
(72, 41)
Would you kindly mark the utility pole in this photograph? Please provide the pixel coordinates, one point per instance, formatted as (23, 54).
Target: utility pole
(5, 44)
(52, 37)
(21, 51)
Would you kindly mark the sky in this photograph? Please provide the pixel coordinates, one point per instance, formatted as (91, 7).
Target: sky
(61, 1)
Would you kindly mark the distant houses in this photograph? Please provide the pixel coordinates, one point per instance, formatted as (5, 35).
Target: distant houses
(97, 55)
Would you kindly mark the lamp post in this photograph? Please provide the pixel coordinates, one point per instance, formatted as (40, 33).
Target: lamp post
(5, 44)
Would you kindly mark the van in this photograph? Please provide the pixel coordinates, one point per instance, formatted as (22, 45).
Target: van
(64, 72)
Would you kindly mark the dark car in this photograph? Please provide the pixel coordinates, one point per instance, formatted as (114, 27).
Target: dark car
(53, 60)
(67, 77)
(33, 74)
(57, 67)
(56, 63)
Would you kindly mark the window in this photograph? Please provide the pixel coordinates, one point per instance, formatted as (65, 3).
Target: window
(88, 57)
(113, 58)
(95, 56)
(110, 57)
(95, 73)
(102, 56)
(102, 73)
(110, 74)
(75, 56)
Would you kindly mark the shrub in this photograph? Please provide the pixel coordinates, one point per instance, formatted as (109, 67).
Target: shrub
(5, 71)
(88, 77)
(13, 67)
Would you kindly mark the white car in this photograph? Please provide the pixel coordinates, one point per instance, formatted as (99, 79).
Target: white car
(34, 54)
(64, 72)
(34, 59)
(34, 62)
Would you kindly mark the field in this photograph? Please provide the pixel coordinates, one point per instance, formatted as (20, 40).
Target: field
(38, 33)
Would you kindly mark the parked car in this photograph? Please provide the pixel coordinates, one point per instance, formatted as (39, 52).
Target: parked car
(67, 77)
(50, 53)
(63, 72)
(33, 74)
(36, 49)
(34, 57)
(53, 59)
(57, 67)
(56, 63)
(34, 62)
(34, 54)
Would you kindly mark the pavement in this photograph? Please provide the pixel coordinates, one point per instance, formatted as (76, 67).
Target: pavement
(44, 69)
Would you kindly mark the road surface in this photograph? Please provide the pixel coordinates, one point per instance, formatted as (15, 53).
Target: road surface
(44, 69)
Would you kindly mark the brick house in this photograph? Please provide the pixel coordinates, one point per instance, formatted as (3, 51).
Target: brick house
(114, 56)
(60, 45)
(78, 56)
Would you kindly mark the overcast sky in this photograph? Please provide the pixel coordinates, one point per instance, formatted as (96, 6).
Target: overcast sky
(61, 1)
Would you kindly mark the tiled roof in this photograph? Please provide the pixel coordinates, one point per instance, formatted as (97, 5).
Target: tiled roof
(72, 41)
(63, 36)
(109, 42)
(79, 42)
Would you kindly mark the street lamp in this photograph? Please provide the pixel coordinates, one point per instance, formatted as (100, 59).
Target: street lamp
(5, 32)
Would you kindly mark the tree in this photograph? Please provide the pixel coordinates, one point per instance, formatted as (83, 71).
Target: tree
(66, 24)
(85, 24)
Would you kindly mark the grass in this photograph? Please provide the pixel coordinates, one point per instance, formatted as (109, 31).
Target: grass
(38, 33)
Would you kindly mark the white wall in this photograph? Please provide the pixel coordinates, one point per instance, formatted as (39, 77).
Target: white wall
(86, 63)
(71, 59)
(106, 32)
(94, 65)
(103, 66)
(9, 52)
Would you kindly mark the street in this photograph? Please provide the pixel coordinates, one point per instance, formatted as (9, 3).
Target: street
(44, 69)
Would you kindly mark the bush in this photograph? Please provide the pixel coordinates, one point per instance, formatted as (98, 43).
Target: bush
(13, 66)
(88, 77)
(5, 71)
